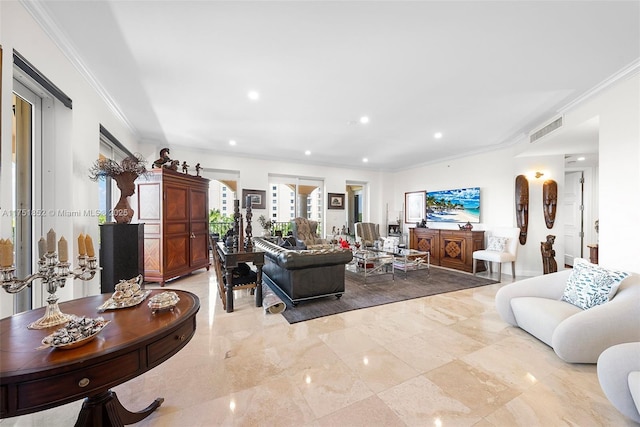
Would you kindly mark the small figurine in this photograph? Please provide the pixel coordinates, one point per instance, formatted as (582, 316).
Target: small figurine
(173, 166)
(549, 264)
(163, 160)
(185, 167)
(198, 169)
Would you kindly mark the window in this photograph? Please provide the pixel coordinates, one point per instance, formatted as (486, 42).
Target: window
(296, 194)
(222, 190)
(39, 108)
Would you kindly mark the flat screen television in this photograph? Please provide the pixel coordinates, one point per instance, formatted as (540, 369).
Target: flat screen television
(458, 205)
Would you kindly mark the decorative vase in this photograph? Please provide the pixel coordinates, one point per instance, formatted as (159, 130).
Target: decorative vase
(122, 212)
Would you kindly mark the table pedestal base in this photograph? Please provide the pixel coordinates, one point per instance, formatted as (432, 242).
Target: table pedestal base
(106, 410)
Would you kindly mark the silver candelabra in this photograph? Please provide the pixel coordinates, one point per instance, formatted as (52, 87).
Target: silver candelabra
(53, 274)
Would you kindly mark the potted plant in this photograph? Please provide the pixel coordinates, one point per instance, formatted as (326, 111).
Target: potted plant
(266, 225)
(125, 174)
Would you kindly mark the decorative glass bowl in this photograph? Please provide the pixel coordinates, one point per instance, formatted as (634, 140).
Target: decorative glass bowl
(163, 301)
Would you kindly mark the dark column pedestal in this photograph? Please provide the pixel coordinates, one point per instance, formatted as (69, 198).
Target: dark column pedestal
(593, 253)
(121, 254)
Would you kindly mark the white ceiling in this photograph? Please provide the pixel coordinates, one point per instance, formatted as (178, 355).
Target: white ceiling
(485, 74)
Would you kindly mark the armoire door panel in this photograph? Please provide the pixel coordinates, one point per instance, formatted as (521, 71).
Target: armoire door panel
(198, 205)
(149, 201)
(176, 252)
(176, 203)
(199, 249)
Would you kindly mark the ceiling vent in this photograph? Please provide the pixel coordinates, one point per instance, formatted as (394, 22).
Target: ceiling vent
(557, 123)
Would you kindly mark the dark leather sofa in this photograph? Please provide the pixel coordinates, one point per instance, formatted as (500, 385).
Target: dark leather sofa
(304, 274)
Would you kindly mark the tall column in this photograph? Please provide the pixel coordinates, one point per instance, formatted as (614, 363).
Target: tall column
(302, 205)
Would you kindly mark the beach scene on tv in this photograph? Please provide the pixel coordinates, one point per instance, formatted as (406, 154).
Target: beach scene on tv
(459, 205)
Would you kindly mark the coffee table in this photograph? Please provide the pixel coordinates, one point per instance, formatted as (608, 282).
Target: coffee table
(370, 263)
(411, 259)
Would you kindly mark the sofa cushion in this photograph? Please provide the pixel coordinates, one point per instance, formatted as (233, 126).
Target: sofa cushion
(497, 244)
(541, 316)
(590, 285)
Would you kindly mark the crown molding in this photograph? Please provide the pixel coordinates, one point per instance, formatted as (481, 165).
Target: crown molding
(38, 11)
(632, 68)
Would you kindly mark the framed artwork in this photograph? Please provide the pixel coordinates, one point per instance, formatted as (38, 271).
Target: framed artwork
(258, 198)
(336, 201)
(458, 205)
(414, 206)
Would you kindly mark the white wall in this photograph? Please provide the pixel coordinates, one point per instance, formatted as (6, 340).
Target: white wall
(495, 174)
(254, 174)
(619, 172)
(616, 194)
(68, 154)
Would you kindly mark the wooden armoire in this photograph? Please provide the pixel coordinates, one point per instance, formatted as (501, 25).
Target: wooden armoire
(174, 208)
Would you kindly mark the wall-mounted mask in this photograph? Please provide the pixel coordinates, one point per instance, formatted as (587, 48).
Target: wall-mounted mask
(549, 201)
(522, 206)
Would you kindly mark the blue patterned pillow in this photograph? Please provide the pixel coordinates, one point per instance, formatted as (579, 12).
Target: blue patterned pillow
(590, 285)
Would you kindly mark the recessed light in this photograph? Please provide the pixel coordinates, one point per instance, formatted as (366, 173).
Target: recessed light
(307, 153)
(232, 142)
(581, 159)
(253, 95)
(365, 160)
(437, 135)
(364, 120)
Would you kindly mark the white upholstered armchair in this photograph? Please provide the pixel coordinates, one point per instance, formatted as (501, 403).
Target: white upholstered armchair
(502, 246)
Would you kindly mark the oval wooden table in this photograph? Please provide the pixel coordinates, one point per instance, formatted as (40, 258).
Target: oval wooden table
(134, 342)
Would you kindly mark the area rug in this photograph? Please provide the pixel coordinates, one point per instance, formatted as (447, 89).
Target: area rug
(380, 290)
(271, 302)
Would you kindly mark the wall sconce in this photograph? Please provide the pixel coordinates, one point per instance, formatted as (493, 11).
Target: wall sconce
(539, 174)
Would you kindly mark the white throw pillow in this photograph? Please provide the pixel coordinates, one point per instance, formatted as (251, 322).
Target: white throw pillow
(590, 285)
(497, 244)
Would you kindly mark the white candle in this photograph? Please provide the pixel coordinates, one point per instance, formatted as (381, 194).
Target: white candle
(51, 241)
(7, 254)
(63, 250)
(2, 261)
(82, 249)
(89, 244)
(42, 247)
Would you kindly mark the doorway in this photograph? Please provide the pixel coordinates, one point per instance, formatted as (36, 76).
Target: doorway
(26, 130)
(356, 204)
(581, 210)
(574, 223)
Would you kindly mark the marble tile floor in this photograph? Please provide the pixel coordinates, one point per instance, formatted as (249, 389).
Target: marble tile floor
(444, 360)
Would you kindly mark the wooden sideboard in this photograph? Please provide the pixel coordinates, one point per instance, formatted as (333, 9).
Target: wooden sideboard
(174, 208)
(449, 248)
